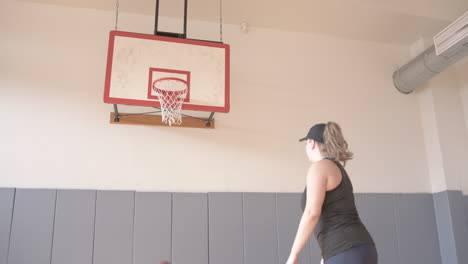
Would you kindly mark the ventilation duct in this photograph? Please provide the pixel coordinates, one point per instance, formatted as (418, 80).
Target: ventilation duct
(451, 44)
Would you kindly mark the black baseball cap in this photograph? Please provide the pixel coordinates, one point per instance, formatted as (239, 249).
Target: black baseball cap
(315, 133)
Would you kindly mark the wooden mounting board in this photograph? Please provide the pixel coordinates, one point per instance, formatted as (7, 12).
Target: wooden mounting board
(155, 120)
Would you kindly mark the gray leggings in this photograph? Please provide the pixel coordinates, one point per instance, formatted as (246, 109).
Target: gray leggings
(366, 254)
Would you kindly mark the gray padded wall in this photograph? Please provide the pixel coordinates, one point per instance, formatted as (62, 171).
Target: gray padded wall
(153, 224)
(377, 212)
(465, 202)
(190, 228)
(125, 227)
(32, 227)
(415, 221)
(289, 215)
(398, 224)
(458, 222)
(7, 196)
(316, 254)
(74, 227)
(113, 239)
(445, 228)
(260, 229)
(226, 239)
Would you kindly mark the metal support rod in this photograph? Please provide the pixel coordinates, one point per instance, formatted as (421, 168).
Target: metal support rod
(208, 122)
(145, 113)
(199, 118)
(156, 17)
(185, 18)
(116, 114)
(221, 21)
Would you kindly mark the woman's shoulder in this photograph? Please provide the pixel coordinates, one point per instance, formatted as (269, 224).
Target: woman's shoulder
(319, 168)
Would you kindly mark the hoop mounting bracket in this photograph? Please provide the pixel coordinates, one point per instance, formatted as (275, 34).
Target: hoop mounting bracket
(148, 118)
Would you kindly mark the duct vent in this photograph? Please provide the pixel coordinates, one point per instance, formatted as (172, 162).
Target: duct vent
(454, 35)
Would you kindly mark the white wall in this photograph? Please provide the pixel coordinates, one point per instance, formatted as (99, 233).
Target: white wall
(56, 131)
(444, 130)
(432, 142)
(462, 73)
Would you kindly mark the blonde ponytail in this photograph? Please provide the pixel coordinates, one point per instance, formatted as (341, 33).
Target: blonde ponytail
(335, 146)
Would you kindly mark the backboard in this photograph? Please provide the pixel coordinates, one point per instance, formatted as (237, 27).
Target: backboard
(135, 61)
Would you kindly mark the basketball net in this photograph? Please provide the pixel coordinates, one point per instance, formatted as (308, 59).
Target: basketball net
(171, 93)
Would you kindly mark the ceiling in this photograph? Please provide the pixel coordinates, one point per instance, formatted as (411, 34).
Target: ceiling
(399, 22)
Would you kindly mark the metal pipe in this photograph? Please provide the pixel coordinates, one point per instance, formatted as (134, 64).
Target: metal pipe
(426, 65)
(156, 18)
(185, 18)
(116, 114)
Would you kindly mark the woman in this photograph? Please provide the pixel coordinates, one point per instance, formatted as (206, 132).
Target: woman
(328, 203)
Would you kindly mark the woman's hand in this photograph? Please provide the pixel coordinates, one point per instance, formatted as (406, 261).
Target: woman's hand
(293, 259)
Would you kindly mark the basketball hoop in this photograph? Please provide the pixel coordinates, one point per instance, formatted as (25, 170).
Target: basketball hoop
(171, 92)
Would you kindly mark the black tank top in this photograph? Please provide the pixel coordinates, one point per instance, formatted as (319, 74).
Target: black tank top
(339, 227)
